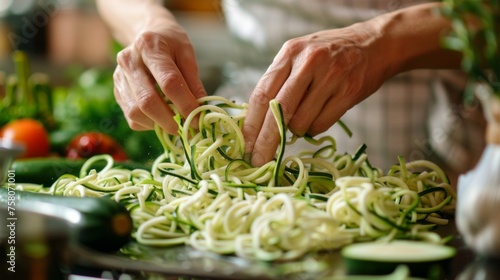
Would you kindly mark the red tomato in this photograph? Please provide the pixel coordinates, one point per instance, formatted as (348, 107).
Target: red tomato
(89, 144)
(31, 134)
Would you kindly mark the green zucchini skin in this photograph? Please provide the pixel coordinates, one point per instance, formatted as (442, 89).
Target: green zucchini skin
(45, 171)
(369, 258)
(105, 225)
(425, 270)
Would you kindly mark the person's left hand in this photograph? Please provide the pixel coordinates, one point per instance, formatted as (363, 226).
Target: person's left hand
(316, 79)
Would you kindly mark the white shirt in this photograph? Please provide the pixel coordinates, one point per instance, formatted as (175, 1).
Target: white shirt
(394, 121)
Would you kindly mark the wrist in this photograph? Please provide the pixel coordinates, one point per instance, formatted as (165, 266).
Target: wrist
(128, 21)
(156, 20)
(411, 38)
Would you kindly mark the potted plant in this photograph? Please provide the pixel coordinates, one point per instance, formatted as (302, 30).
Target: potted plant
(476, 34)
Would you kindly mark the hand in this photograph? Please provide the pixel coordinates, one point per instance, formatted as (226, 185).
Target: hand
(162, 56)
(316, 79)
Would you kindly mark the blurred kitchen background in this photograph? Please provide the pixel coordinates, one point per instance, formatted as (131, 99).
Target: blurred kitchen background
(67, 40)
(62, 33)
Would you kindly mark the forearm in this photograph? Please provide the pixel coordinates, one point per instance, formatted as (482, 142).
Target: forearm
(127, 18)
(412, 39)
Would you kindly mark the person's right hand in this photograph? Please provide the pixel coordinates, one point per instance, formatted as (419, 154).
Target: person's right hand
(318, 77)
(315, 78)
(160, 56)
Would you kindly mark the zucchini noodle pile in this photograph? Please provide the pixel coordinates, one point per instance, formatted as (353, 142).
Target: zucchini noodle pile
(200, 192)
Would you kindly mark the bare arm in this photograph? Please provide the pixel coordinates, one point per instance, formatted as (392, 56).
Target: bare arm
(158, 51)
(413, 39)
(127, 18)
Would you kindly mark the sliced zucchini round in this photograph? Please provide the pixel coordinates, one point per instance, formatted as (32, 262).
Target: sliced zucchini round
(377, 258)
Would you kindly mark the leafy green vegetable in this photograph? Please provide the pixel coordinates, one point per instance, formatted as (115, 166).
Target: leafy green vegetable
(478, 43)
(27, 95)
(88, 104)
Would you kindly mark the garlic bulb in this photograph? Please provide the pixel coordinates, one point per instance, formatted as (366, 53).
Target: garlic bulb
(478, 202)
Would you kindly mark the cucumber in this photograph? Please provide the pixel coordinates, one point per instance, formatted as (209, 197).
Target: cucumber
(45, 171)
(104, 225)
(424, 259)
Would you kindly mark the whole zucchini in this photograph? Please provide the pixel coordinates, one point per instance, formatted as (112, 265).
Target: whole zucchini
(45, 171)
(104, 225)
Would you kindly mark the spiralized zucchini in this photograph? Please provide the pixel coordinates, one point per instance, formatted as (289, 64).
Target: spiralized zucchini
(201, 192)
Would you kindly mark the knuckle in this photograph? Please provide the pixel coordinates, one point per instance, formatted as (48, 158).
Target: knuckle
(306, 46)
(147, 41)
(170, 81)
(124, 57)
(317, 53)
(146, 100)
(292, 44)
(133, 112)
(290, 47)
(152, 44)
(260, 97)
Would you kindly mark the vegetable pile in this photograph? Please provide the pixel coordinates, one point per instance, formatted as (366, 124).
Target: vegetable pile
(26, 109)
(75, 121)
(200, 192)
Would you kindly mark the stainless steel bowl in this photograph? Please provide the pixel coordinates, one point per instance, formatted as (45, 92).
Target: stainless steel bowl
(34, 245)
(9, 151)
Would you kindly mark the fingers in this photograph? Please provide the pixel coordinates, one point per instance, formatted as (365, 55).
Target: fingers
(157, 61)
(166, 73)
(264, 92)
(309, 107)
(142, 105)
(126, 100)
(289, 81)
(290, 97)
(300, 106)
(324, 76)
(190, 72)
(328, 116)
(318, 111)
